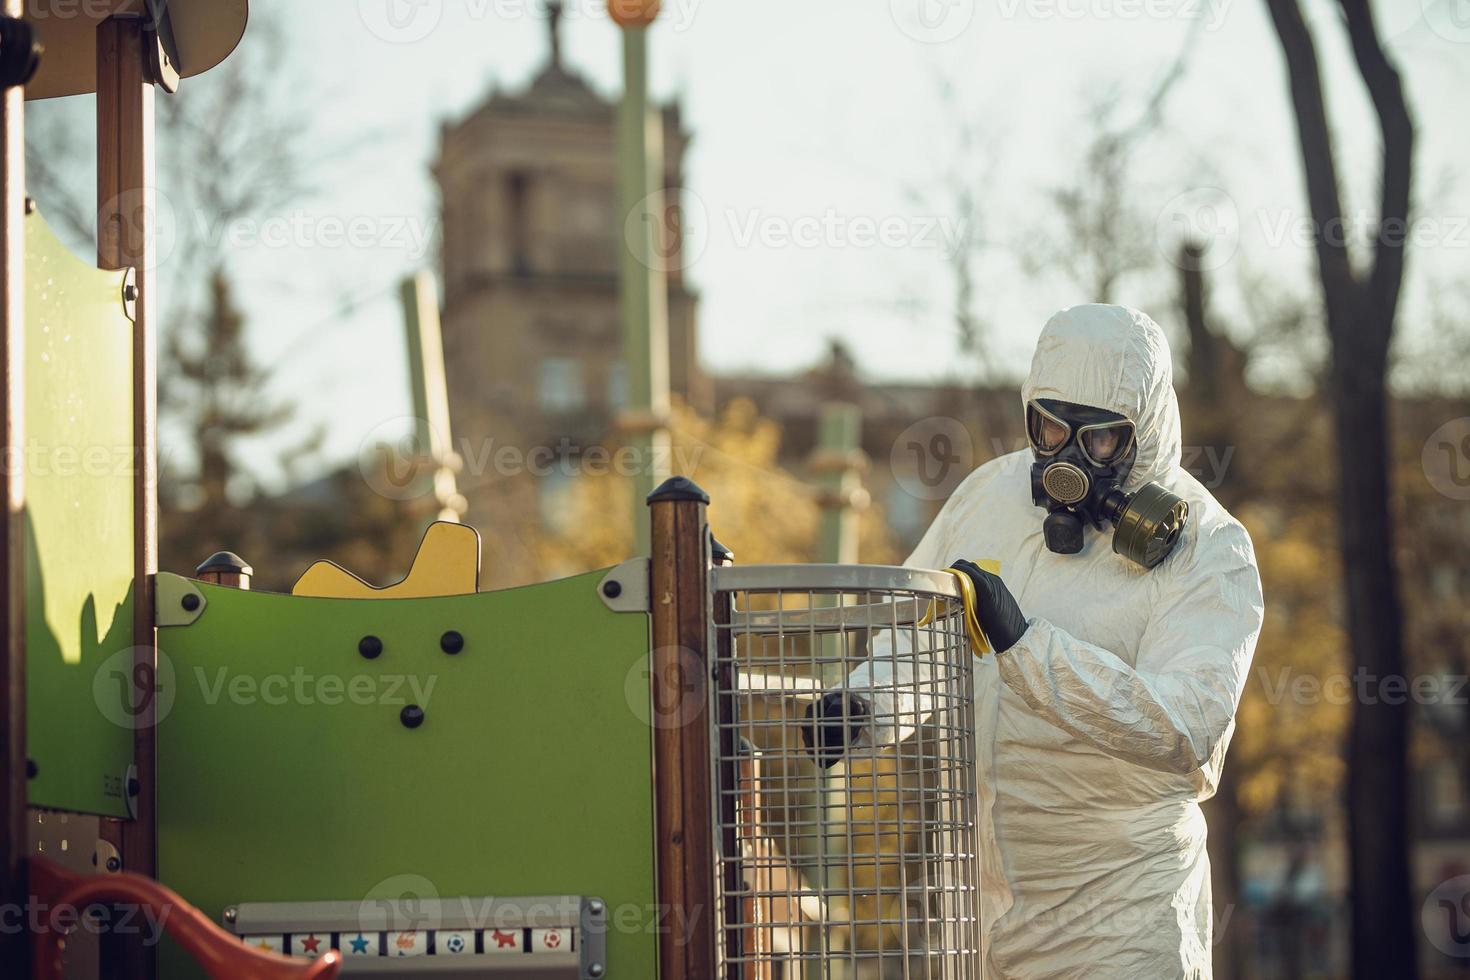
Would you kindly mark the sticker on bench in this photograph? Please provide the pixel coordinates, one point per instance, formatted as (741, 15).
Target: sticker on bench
(488, 936)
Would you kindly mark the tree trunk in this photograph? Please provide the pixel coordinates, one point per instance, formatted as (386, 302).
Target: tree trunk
(1360, 313)
(1378, 792)
(1211, 422)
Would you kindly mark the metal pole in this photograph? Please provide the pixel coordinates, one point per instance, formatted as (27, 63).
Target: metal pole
(643, 288)
(432, 439)
(837, 464)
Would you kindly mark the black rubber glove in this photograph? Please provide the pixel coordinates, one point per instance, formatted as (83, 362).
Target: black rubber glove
(832, 724)
(999, 616)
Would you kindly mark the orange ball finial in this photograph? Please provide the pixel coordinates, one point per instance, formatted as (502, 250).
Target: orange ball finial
(633, 13)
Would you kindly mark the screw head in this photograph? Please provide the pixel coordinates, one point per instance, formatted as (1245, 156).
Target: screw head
(594, 970)
(231, 914)
(612, 588)
(596, 907)
(412, 716)
(113, 864)
(190, 601)
(451, 642)
(370, 647)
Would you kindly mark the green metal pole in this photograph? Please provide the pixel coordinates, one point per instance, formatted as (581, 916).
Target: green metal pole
(643, 286)
(836, 465)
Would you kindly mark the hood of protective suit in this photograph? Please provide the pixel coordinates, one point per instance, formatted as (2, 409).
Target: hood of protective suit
(1114, 358)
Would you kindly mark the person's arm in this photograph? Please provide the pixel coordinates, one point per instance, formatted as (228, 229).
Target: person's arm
(1170, 710)
(886, 693)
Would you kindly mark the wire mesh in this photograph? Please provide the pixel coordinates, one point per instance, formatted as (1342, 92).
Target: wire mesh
(866, 870)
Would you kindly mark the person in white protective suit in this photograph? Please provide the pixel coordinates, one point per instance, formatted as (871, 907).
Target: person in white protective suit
(1104, 715)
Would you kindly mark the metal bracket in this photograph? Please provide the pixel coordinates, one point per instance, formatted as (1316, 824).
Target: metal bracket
(625, 587)
(131, 788)
(130, 294)
(163, 53)
(177, 601)
(106, 858)
(20, 51)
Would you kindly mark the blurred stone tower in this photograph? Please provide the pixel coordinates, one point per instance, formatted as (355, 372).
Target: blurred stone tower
(531, 232)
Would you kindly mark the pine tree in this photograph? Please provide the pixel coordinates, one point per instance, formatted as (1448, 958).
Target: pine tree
(215, 397)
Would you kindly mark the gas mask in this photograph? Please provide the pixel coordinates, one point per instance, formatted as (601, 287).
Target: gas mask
(1083, 458)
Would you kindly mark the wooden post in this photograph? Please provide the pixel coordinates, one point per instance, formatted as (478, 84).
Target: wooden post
(680, 664)
(225, 568)
(125, 239)
(14, 944)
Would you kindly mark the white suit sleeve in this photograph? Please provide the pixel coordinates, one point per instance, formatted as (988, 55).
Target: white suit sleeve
(1171, 709)
(896, 676)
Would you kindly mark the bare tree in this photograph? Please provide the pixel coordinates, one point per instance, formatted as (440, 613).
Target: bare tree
(957, 190)
(1360, 306)
(1103, 237)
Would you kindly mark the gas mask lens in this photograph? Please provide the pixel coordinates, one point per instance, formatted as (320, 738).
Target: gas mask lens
(1103, 444)
(1048, 434)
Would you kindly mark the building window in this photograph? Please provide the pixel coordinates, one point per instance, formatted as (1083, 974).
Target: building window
(559, 386)
(517, 190)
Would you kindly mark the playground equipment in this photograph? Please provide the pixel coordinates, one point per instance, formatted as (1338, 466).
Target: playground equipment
(596, 777)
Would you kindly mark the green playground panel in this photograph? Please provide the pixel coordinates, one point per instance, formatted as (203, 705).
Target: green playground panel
(78, 463)
(286, 774)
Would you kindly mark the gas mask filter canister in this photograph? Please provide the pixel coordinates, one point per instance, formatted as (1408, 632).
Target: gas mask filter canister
(1083, 456)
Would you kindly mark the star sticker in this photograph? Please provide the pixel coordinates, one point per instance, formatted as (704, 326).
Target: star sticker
(265, 944)
(360, 944)
(311, 944)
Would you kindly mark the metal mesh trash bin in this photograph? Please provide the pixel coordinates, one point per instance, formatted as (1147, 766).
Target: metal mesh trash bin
(866, 870)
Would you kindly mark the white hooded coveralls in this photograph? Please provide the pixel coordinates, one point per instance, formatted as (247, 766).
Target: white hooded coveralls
(1101, 730)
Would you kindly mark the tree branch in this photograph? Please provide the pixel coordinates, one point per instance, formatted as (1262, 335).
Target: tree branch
(1318, 162)
(1396, 125)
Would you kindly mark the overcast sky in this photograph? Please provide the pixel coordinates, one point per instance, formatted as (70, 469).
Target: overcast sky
(821, 147)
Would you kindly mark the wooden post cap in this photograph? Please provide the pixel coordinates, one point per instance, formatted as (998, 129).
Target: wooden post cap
(678, 488)
(225, 568)
(633, 13)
